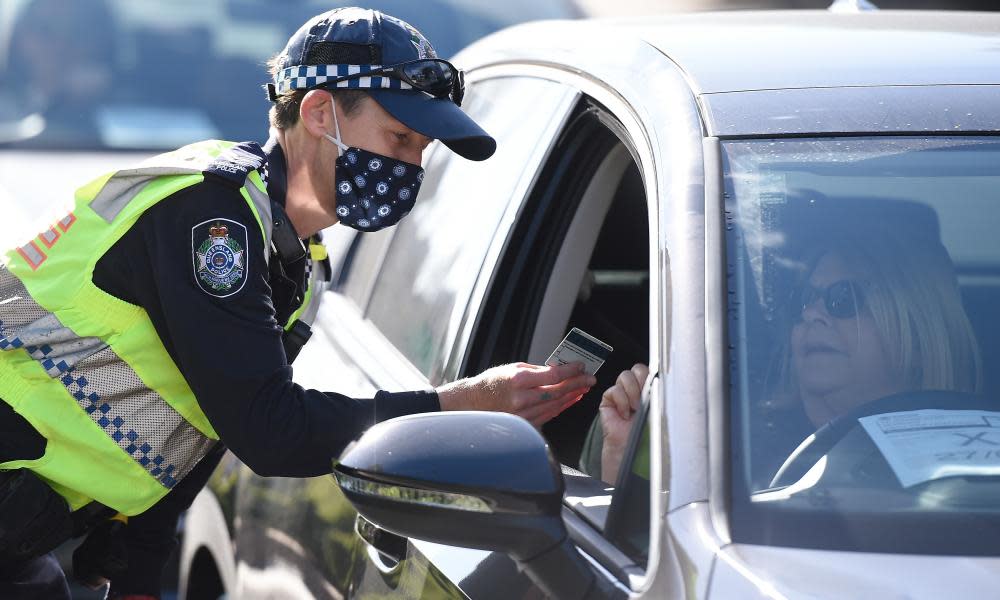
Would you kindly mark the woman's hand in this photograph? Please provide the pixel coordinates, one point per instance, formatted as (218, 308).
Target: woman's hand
(618, 407)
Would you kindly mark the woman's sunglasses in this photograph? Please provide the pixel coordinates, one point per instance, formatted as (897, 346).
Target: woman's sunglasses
(435, 76)
(842, 299)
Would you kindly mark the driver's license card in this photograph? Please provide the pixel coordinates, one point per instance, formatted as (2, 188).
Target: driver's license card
(580, 346)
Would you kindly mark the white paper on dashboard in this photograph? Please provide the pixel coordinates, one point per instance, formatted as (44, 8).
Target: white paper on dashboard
(923, 445)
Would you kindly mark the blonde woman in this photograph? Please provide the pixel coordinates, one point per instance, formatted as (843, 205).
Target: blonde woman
(878, 312)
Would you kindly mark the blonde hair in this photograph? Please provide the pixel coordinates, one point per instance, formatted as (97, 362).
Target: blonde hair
(913, 296)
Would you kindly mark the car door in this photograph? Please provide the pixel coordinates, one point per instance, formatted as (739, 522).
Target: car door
(574, 252)
(428, 291)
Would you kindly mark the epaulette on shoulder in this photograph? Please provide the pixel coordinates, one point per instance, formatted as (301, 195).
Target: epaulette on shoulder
(236, 163)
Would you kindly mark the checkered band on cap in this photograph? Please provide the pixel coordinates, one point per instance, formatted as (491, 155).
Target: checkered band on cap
(308, 76)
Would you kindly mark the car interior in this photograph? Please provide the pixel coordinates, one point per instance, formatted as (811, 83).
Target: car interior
(600, 284)
(804, 214)
(582, 262)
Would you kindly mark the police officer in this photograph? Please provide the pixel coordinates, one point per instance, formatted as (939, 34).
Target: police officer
(157, 320)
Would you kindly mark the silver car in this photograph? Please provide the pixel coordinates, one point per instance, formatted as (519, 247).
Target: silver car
(790, 217)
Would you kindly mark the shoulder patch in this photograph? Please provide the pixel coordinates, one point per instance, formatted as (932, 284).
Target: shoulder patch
(236, 163)
(218, 249)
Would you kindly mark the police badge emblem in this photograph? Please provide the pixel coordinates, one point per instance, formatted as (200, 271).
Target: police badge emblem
(219, 259)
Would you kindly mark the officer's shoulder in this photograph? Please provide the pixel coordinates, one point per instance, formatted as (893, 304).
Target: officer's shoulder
(211, 198)
(235, 163)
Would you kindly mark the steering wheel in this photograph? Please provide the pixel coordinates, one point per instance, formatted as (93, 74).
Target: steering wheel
(828, 436)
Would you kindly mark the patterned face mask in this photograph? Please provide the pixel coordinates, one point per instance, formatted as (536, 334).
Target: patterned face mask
(373, 191)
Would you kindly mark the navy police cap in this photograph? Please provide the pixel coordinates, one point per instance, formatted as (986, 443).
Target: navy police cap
(353, 41)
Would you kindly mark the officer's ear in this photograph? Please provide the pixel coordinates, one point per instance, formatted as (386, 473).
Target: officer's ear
(316, 112)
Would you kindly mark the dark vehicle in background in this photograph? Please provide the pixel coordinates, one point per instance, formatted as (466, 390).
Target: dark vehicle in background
(658, 183)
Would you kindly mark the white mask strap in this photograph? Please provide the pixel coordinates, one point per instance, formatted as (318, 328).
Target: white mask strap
(341, 147)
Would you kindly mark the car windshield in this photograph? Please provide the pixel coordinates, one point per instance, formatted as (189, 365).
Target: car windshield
(863, 277)
(119, 74)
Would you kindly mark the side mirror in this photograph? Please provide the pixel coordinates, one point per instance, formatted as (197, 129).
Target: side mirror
(473, 479)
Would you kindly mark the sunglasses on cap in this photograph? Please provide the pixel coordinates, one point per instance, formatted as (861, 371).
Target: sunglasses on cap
(435, 76)
(842, 299)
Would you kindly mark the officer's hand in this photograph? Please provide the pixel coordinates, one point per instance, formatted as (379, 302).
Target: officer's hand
(536, 393)
(618, 407)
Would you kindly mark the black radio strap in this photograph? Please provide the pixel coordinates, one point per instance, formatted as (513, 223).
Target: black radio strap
(288, 280)
(285, 242)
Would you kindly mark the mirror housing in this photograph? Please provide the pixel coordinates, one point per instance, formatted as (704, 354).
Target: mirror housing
(472, 479)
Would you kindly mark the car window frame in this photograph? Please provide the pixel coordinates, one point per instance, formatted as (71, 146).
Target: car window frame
(587, 524)
(674, 172)
(606, 549)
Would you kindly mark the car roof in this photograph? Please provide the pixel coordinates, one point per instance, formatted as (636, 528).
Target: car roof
(761, 50)
(788, 72)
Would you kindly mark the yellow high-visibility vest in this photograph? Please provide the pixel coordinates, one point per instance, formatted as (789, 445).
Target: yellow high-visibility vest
(88, 370)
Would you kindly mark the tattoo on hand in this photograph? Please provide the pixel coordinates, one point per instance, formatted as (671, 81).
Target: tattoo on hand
(546, 396)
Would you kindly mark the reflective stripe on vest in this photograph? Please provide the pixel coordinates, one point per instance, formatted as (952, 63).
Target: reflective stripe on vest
(315, 277)
(88, 370)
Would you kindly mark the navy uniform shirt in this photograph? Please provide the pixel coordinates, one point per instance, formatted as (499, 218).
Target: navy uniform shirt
(227, 343)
